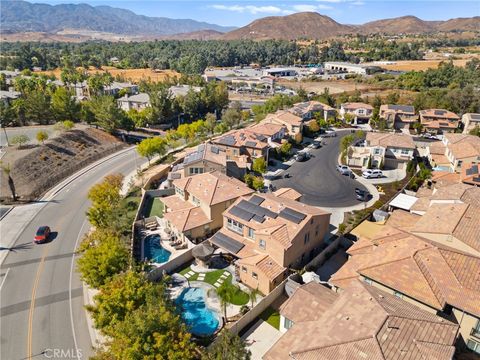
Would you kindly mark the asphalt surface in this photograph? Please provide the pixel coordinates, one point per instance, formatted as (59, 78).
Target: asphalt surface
(42, 313)
(319, 181)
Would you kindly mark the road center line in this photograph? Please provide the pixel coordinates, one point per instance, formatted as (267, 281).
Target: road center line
(80, 233)
(32, 303)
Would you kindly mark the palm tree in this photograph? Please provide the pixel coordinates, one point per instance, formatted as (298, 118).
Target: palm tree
(225, 293)
(252, 295)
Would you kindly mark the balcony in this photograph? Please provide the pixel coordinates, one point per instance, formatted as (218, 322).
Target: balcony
(475, 332)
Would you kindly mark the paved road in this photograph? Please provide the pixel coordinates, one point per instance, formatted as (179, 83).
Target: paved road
(319, 181)
(41, 294)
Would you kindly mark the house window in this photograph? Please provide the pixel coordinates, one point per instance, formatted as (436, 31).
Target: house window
(316, 231)
(254, 275)
(377, 152)
(404, 152)
(262, 244)
(368, 281)
(234, 226)
(288, 323)
(398, 294)
(306, 238)
(179, 191)
(244, 269)
(476, 330)
(195, 201)
(251, 233)
(474, 346)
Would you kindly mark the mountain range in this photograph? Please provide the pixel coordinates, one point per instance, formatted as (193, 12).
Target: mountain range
(82, 20)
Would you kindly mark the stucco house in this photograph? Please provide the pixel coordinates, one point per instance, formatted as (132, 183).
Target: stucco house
(195, 210)
(308, 109)
(243, 142)
(470, 121)
(137, 102)
(360, 112)
(292, 122)
(453, 151)
(439, 121)
(398, 116)
(267, 234)
(390, 149)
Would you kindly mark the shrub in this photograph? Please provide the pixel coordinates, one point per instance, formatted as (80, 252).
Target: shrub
(258, 183)
(19, 140)
(341, 228)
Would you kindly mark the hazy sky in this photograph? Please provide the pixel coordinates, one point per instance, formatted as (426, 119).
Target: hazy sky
(239, 13)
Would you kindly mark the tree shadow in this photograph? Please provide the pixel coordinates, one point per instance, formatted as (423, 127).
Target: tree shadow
(19, 247)
(60, 149)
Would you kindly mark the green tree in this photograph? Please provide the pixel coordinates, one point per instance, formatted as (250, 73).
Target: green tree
(36, 107)
(227, 347)
(151, 331)
(284, 149)
(475, 131)
(7, 115)
(121, 295)
(313, 127)
(258, 183)
(103, 256)
(105, 198)
(42, 136)
(151, 147)
(231, 117)
(248, 178)
(225, 293)
(392, 98)
(161, 101)
(348, 118)
(19, 140)
(418, 127)
(106, 114)
(259, 165)
(7, 170)
(210, 122)
(346, 142)
(252, 295)
(64, 105)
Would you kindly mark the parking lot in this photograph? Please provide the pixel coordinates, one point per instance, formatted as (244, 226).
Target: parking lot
(319, 181)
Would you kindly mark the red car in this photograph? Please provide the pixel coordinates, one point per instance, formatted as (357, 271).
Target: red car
(42, 234)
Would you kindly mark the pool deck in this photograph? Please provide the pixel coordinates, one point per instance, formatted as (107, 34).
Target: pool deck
(260, 338)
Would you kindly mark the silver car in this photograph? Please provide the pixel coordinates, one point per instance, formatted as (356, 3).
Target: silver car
(344, 170)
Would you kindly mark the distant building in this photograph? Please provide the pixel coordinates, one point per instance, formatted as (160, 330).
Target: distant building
(341, 67)
(398, 116)
(115, 87)
(8, 96)
(470, 121)
(281, 72)
(137, 102)
(182, 90)
(307, 110)
(439, 121)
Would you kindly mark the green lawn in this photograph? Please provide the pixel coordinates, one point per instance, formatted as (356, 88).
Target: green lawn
(240, 297)
(154, 207)
(271, 316)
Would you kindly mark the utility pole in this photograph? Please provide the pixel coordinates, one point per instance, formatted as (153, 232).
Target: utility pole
(6, 136)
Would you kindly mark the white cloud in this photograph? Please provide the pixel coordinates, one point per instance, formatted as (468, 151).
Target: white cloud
(252, 9)
(358, 3)
(331, 1)
(310, 7)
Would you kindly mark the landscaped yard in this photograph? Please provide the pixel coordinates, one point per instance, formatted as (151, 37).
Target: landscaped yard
(239, 298)
(271, 316)
(154, 207)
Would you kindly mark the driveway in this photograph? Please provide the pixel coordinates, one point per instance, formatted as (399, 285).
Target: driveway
(389, 176)
(319, 181)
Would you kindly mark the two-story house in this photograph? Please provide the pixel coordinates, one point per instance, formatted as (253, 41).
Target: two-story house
(470, 122)
(115, 87)
(268, 234)
(195, 210)
(391, 150)
(237, 143)
(136, 102)
(439, 121)
(308, 109)
(436, 278)
(208, 157)
(360, 112)
(361, 322)
(292, 122)
(398, 116)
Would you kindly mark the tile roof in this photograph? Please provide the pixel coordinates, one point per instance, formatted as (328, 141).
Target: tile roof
(270, 268)
(309, 106)
(213, 187)
(308, 302)
(463, 146)
(242, 138)
(403, 219)
(284, 116)
(440, 218)
(453, 191)
(187, 219)
(439, 113)
(400, 109)
(390, 140)
(430, 273)
(444, 178)
(288, 193)
(367, 323)
(208, 152)
(175, 202)
(267, 129)
(356, 105)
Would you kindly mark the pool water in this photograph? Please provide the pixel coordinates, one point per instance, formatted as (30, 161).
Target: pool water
(152, 250)
(201, 320)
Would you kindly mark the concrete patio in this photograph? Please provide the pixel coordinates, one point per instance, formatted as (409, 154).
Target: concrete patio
(260, 338)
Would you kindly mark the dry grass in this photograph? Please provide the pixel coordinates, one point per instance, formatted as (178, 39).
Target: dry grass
(134, 75)
(420, 64)
(334, 86)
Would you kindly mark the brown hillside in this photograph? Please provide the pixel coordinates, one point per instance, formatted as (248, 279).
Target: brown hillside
(404, 24)
(460, 24)
(308, 25)
(196, 35)
(38, 169)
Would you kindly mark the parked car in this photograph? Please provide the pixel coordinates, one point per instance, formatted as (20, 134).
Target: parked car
(302, 156)
(429, 136)
(330, 133)
(372, 173)
(316, 145)
(42, 235)
(362, 195)
(344, 170)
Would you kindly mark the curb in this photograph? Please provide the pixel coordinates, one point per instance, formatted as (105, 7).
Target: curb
(6, 212)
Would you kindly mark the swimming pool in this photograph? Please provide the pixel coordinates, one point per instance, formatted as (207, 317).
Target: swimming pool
(201, 320)
(152, 250)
